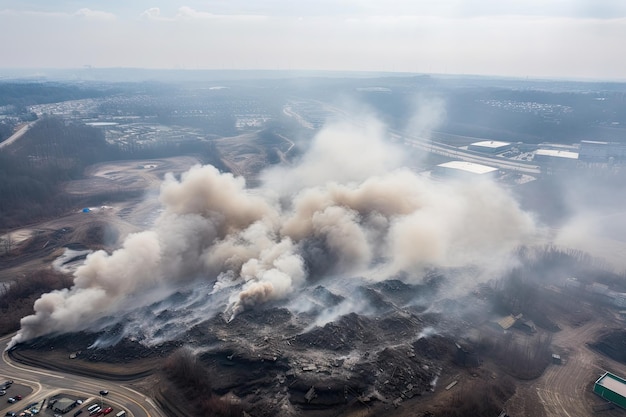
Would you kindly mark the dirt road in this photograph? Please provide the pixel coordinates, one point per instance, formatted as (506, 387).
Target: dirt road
(15, 136)
(565, 390)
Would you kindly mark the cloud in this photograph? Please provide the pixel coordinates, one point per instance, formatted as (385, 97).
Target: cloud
(84, 13)
(579, 9)
(186, 13)
(95, 14)
(153, 13)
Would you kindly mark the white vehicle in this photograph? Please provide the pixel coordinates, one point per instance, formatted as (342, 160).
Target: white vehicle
(92, 407)
(121, 414)
(95, 410)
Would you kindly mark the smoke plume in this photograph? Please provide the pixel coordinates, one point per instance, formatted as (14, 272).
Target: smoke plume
(348, 207)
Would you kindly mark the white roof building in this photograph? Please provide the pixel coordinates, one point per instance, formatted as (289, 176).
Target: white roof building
(489, 146)
(463, 169)
(556, 153)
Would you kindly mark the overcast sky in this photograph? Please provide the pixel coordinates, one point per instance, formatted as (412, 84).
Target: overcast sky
(536, 38)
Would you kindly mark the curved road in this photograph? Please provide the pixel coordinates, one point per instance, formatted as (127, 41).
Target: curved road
(15, 136)
(47, 383)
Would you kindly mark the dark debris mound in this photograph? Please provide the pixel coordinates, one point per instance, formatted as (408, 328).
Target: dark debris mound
(344, 334)
(400, 292)
(402, 371)
(81, 345)
(435, 347)
(263, 317)
(326, 297)
(613, 345)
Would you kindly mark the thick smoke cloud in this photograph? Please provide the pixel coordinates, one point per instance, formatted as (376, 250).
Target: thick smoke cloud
(348, 208)
(589, 214)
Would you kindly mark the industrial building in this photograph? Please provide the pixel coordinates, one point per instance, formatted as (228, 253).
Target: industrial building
(612, 388)
(464, 170)
(597, 151)
(556, 158)
(489, 146)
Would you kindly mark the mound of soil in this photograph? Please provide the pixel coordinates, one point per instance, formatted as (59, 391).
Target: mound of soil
(613, 345)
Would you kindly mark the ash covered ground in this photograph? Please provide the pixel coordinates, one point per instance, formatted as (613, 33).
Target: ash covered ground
(326, 350)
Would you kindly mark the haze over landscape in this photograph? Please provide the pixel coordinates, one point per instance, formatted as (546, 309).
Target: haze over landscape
(334, 208)
(564, 38)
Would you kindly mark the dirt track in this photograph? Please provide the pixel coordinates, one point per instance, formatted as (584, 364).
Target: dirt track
(565, 390)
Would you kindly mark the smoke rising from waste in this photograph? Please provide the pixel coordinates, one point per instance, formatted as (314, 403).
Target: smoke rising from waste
(348, 207)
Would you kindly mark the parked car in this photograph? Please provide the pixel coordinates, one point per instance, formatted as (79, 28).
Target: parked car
(107, 410)
(11, 400)
(2, 392)
(18, 397)
(79, 412)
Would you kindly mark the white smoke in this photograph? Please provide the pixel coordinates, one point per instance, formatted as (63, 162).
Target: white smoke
(348, 207)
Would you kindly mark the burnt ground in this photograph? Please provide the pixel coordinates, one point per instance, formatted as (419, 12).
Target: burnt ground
(395, 360)
(274, 362)
(398, 357)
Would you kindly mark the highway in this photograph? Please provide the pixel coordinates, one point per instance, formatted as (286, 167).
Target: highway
(468, 156)
(427, 145)
(46, 383)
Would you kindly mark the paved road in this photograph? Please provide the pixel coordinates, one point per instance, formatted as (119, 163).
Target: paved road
(17, 134)
(431, 146)
(47, 383)
(468, 156)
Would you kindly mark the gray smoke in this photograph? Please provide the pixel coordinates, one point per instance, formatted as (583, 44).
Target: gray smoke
(349, 207)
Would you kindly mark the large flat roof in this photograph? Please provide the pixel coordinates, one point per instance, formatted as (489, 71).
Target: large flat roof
(490, 144)
(613, 383)
(594, 142)
(557, 153)
(468, 167)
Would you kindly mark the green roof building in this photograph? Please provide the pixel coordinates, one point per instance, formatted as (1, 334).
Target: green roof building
(612, 388)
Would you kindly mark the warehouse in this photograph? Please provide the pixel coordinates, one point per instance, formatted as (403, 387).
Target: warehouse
(612, 388)
(464, 170)
(489, 146)
(596, 151)
(556, 158)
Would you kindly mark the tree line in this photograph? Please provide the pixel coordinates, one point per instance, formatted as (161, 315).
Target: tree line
(53, 151)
